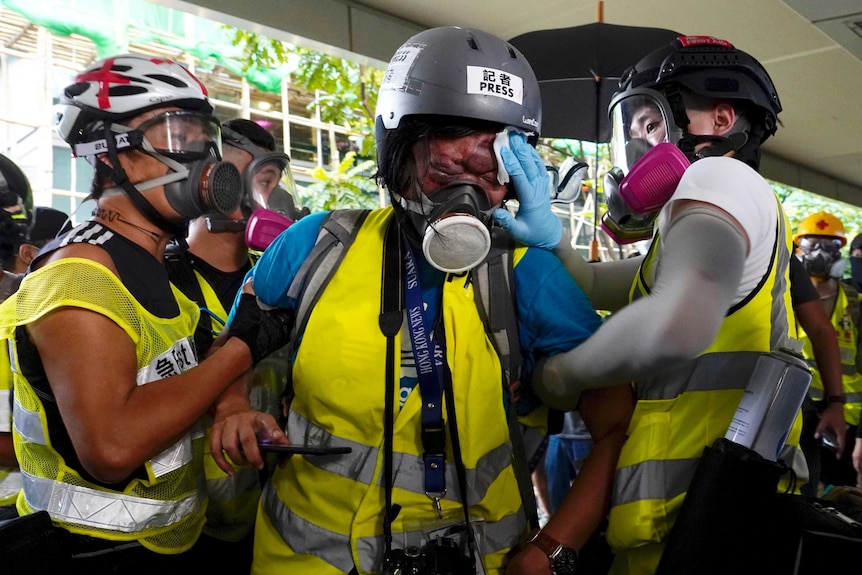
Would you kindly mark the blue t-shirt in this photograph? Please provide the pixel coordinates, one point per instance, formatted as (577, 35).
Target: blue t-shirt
(554, 314)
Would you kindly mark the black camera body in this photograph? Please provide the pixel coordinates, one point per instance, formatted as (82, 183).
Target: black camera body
(441, 556)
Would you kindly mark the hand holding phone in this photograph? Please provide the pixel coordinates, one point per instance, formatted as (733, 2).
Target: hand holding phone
(828, 440)
(269, 447)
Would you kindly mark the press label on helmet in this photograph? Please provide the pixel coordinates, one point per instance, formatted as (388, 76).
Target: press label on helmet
(491, 82)
(398, 71)
(688, 41)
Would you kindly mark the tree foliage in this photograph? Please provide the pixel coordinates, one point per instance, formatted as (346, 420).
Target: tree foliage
(349, 186)
(346, 95)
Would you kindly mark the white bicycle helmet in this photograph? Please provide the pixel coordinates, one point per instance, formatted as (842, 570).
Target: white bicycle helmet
(121, 87)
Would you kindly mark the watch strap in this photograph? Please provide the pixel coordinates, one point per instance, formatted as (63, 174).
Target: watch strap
(836, 398)
(546, 543)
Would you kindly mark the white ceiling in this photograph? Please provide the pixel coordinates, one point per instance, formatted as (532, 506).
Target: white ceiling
(811, 48)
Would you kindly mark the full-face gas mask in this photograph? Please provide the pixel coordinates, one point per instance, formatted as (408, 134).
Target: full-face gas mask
(188, 143)
(821, 256)
(647, 164)
(267, 185)
(454, 224)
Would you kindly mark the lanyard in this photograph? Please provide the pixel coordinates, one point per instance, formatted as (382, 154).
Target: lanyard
(429, 362)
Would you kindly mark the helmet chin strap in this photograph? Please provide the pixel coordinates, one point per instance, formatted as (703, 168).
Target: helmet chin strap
(118, 175)
(718, 145)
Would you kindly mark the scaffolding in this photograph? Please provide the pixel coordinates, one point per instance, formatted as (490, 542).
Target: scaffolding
(44, 43)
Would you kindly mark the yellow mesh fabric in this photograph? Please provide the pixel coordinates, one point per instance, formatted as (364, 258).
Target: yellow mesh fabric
(86, 284)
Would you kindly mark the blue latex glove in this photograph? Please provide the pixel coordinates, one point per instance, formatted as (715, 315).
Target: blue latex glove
(535, 224)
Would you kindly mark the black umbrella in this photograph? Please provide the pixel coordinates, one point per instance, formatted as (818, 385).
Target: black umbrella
(579, 68)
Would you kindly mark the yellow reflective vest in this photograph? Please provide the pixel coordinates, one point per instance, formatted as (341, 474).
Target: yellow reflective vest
(847, 334)
(163, 510)
(10, 477)
(682, 410)
(232, 499)
(325, 514)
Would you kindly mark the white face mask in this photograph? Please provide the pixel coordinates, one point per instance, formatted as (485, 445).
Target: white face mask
(454, 228)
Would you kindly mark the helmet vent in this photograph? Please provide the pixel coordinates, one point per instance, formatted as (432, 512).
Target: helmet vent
(472, 43)
(168, 80)
(76, 89)
(512, 53)
(126, 90)
(120, 68)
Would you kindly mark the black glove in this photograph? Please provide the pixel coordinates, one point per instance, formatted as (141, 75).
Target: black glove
(263, 331)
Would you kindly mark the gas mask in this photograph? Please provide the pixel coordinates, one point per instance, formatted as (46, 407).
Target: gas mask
(267, 184)
(821, 256)
(634, 199)
(262, 189)
(454, 224)
(209, 186)
(188, 143)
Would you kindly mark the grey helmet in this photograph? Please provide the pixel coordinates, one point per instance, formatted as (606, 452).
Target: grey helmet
(458, 72)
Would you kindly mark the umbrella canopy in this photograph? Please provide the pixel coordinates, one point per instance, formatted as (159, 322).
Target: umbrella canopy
(578, 70)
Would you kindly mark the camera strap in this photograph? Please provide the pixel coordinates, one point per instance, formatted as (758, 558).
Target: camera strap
(461, 472)
(391, 314)
(390, 319)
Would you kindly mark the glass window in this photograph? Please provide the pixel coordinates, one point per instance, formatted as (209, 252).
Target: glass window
(72, 174)
(303, 147)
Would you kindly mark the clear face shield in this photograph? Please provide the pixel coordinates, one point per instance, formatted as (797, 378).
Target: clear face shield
(269, 183)
(647, 164)
(640, 120)
(183, 135)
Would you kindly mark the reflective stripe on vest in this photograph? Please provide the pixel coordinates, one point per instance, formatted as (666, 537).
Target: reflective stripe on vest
(10, 485)
(104, 510)
(310, 539)
(359, 464)
(848, 339)
(29, 426)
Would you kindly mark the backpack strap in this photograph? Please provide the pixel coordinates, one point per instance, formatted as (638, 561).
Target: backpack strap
(493, 281)
(336, 235)
(493, 284)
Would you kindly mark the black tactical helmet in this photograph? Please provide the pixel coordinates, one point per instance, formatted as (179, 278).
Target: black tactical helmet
(708, 67)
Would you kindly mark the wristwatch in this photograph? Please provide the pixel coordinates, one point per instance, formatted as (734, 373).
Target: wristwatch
(564, 560)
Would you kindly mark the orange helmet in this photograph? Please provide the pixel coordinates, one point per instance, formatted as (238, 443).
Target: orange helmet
(821, 224)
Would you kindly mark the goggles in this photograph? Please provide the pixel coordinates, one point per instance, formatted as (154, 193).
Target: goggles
(183, 135)
(809, 245)
(640, 120)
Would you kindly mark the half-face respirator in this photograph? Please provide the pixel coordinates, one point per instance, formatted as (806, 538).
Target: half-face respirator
(188, 142)
(821, 256)
(454, 223)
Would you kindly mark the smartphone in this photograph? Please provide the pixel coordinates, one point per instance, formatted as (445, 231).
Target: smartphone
(828, 440)
(267, 447)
